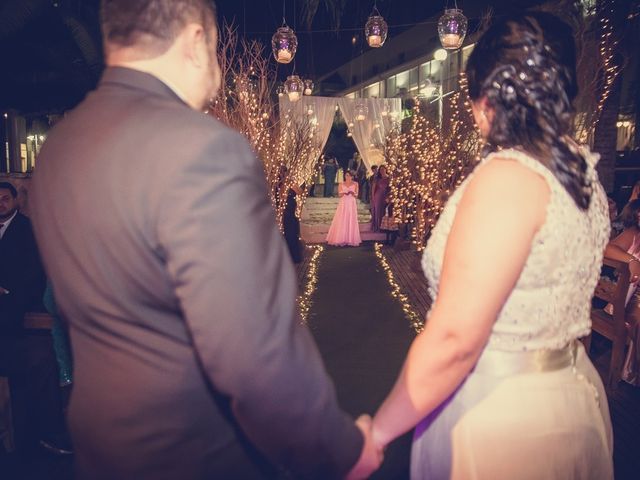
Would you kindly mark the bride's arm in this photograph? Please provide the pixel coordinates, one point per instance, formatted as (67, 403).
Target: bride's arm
(497, 217)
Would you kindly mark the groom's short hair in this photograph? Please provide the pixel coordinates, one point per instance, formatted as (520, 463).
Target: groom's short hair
(151, 25)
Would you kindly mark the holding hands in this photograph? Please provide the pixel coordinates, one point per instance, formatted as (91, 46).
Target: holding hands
(371, 456)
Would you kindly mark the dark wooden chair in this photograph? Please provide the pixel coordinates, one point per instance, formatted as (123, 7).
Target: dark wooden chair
(612, 289)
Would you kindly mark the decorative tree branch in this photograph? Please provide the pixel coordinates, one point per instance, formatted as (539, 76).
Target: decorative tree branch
(247, 103)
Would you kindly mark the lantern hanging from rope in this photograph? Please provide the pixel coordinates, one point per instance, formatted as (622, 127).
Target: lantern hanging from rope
(452, 28)
(293, 87)
(361, 112)
(308, 87)
(376, 29)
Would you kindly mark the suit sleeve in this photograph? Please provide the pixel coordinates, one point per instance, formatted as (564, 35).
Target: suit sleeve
(237, 290)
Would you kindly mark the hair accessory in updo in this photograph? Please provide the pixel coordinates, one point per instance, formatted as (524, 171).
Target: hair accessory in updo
(525, 70)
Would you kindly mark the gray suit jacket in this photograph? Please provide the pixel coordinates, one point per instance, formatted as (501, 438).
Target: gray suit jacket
(156, 230)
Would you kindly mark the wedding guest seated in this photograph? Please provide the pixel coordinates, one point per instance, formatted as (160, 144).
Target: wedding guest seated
(27, 359)
(625, 247)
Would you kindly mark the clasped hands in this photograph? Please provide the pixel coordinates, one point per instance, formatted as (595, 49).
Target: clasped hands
(372, 453)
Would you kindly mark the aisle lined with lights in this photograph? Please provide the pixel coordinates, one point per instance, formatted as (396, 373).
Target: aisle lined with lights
(363, 335)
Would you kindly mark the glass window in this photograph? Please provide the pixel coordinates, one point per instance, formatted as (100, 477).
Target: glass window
(373, 91)
(413, 77)
(402, 80)
(436, 66)
(391, 86)
(425, 71)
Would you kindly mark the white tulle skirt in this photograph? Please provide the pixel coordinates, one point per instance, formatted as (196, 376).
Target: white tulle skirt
(549, 425)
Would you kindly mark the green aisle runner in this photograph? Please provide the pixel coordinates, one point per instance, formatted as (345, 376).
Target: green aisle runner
(363, 336)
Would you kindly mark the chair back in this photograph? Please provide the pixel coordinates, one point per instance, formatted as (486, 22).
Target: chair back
(612, 288)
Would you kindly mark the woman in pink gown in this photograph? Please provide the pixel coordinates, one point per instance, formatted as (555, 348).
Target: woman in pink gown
(344, 228)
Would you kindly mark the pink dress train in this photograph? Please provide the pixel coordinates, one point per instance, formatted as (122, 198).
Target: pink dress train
(344, 228)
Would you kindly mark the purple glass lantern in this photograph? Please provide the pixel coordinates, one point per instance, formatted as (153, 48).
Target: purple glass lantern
(284, 44)
(452, 28)
(376, 30)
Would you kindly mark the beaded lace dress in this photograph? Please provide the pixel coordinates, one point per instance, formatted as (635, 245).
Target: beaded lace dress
(553, 424)
(550, 304)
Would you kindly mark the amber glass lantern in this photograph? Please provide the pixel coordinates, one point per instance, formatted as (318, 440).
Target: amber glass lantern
(361, 112)
(284, 44)
(308, 87)
(452, 28)
(293, 87)
(376, 30)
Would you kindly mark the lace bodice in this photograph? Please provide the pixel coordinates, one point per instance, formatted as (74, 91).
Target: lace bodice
(344, 188)
(550, 304)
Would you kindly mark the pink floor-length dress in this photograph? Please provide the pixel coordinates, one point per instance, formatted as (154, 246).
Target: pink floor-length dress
(344, 228)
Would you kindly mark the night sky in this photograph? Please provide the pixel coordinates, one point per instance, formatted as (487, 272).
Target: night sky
(52, 55)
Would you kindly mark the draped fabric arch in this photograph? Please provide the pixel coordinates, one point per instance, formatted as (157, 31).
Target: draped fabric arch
(368, 133)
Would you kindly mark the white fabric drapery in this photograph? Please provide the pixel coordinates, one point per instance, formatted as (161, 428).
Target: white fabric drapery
(368, 134)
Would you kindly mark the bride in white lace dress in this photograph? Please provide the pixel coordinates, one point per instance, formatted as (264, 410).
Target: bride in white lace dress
(498, 384)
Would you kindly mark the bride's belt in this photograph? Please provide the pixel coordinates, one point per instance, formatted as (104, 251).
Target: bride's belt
(503, 363)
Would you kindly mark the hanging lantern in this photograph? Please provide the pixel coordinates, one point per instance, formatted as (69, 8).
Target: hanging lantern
(452, 28)
(349, 134)
(293, 87)
(284, 44)
(376, 29)
(361, 112)
(280, 90)
(308, 87)
(310, 109)
(385, 109)
(350, 125)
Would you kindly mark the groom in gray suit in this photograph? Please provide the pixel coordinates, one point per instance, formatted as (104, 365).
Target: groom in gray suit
(155, 227)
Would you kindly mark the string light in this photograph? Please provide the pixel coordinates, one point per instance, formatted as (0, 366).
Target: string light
(427, 162)
(416, 322)
(607, 45)
(311, 281)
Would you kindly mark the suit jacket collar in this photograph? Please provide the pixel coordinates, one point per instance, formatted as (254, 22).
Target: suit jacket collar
(14, 226)
(7, 223)
(138, 80)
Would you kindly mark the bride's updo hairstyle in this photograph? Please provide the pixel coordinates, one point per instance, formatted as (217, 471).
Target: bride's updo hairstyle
(525, 67)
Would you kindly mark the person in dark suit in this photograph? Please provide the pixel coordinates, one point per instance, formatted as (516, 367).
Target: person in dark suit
(22, 279)
(329, 171)
(162, 246)
(27, 359)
